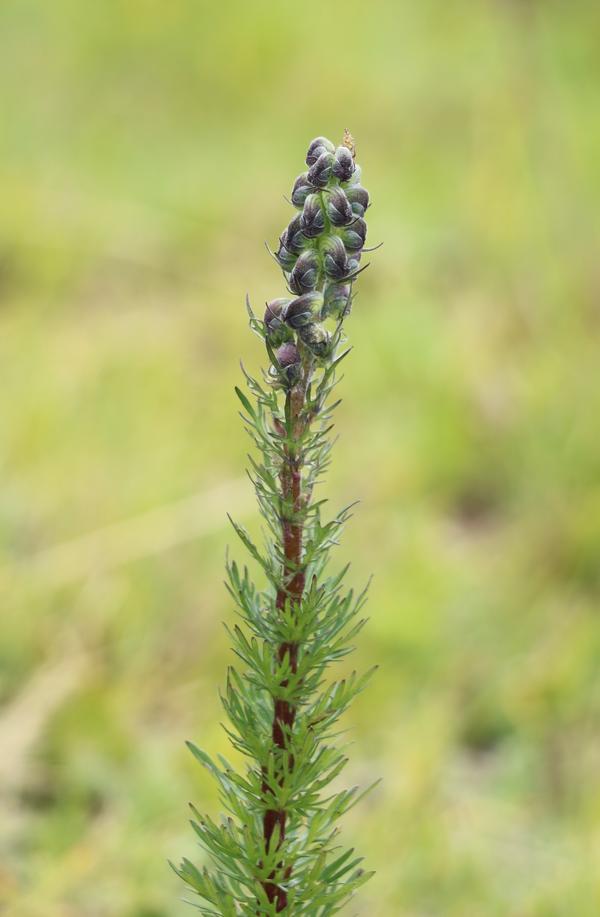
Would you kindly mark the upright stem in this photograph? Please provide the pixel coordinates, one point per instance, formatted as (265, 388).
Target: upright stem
(294, 578)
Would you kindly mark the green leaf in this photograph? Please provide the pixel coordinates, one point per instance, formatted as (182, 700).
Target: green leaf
(248, 407)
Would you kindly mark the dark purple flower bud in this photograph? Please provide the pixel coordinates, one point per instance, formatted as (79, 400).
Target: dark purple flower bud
(354, 237)
(302, 188)
(336, 259)
(304, 277)
(294, 239)
(285, 257)
(289, 360)
(319, 145)
(355, 177)
(339, 210)
(337, 300)
(273, 319)
(288, 354)
(313, 218)
(277, 330)
(316, 338)
(359, 199)
(304, 309)
(343, 166)
(320, 173)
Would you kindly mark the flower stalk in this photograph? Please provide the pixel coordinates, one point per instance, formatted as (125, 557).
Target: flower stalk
(276, 850)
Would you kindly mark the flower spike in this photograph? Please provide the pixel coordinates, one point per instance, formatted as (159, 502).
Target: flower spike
(277, 850)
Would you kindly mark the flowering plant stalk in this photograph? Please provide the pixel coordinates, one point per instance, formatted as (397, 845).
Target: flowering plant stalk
(276, 849)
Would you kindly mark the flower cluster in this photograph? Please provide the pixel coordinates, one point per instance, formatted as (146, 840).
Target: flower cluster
(319, 253)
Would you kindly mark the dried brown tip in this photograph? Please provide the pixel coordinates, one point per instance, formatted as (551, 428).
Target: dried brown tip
(348, 142)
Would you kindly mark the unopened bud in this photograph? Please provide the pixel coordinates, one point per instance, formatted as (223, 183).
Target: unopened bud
(302, 188)
(337, 300)
(359, 199)
(316, 338)
(273, 311)
(313, 218)
(336, 259)
(355, 177)
(318, 145)
(285, 257)
(343, 166)
(289, 360)
(304, 277)
(354, 237)
(320, 173)
(277, 331)
(294, 239)
(303, 310)
(353, 266)
(339, 210)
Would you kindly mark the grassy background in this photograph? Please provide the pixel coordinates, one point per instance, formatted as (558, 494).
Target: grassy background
(145, 148)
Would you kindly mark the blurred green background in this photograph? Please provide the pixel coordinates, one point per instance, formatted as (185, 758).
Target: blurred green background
(145, 151)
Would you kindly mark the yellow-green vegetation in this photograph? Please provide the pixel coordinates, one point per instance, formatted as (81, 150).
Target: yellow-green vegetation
(143, 147)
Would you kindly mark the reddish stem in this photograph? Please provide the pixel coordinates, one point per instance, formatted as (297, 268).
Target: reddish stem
(294, 578)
